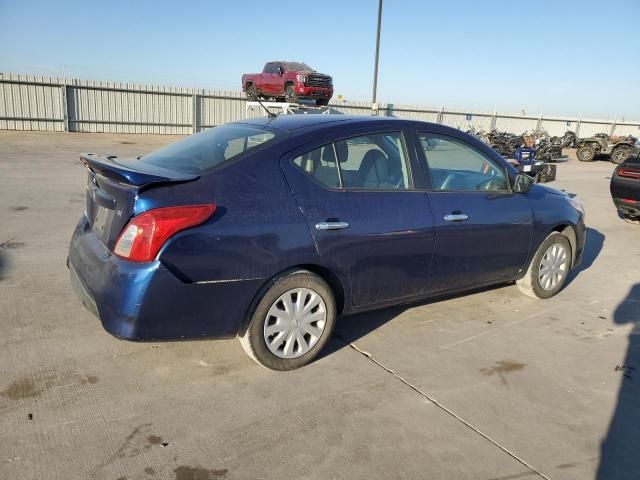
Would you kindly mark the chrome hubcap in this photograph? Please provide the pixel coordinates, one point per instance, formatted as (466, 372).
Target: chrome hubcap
(553, 266)
(295, 323)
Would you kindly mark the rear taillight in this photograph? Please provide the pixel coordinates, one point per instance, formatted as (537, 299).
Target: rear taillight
(144, 235)
(629, 173)
(627, 200)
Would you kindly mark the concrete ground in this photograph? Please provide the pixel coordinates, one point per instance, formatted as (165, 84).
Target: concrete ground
(492, 385)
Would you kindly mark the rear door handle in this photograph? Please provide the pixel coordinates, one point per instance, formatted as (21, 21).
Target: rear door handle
(331, 225)
(456, 217)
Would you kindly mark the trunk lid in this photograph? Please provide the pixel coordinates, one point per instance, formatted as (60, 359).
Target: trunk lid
(113, 186)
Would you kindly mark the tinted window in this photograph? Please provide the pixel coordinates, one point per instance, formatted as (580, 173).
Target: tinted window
(373, 162)
(208, 149)
(454, 165)
(268, 68)
(321, 165)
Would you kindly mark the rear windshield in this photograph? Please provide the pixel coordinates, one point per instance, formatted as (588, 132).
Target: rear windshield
(210, 148)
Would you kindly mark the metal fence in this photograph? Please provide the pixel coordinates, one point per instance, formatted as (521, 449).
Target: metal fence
(53, 104)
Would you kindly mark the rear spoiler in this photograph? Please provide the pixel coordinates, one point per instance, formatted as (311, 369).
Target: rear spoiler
(132, 171)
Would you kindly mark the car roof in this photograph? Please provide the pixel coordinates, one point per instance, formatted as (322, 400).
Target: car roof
(290, 123)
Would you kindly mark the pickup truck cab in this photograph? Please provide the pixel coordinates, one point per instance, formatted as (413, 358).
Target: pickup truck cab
(288, 81)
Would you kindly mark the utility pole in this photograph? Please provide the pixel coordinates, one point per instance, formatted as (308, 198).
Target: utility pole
(375, 70)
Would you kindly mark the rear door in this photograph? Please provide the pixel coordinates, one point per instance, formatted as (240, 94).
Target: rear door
(483, 230)
(368, 222)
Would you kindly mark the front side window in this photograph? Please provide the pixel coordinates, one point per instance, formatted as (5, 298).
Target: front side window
(208, 149)
(375, 161)
(455, 165)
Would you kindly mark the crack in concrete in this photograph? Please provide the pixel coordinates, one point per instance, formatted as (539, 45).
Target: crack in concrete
(443, 408)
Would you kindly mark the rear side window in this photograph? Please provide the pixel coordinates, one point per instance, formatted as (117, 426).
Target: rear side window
(320, 164)
(208, 149)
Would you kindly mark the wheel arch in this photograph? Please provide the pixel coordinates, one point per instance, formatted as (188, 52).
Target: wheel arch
(568, 231)
(334, 282)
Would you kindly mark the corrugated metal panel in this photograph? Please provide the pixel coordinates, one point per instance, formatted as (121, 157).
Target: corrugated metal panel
(28, 102)
(467, 121)
(588, 128)
(558, 127)
(627, 129)
(516, 124)
(413, 112)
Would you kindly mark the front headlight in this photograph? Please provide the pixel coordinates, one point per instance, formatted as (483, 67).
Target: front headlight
(577, 205)
(301, 78)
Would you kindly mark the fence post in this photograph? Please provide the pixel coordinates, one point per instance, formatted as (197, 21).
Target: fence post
(613, 127)
(440, 117)
(194, 113)
(65, 107)
(492, 126)
(539, 124)
(578, 126)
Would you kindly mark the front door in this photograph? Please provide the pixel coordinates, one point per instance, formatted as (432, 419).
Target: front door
(367, 221)
(483, 230)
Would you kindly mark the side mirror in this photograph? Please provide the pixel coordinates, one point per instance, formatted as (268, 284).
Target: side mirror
(280, 72)
(522, 183)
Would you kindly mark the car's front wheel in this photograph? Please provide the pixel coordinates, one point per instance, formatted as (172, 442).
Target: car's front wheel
(549, 268)
(291, 322)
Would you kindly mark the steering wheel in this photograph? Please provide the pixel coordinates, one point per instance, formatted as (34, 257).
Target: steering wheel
(491, 185)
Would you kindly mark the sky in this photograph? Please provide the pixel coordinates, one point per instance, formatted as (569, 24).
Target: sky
(552, 57)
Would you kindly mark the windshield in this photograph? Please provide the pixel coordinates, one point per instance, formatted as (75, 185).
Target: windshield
(210, 148)
(297, 67)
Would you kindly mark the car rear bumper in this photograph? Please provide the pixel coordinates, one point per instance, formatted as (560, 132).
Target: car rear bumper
(627, 207)
(146, 301)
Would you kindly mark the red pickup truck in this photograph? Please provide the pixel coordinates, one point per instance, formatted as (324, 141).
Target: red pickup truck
(288, 81)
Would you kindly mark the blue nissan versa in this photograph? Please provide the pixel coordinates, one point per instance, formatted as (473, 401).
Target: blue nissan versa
(268, 229)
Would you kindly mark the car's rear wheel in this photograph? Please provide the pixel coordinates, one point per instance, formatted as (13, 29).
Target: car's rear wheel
(620, 154)
(586, 153)
(292, 321)
(290, 95)
(549, 268)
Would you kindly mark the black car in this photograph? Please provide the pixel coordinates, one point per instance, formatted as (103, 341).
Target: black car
(625, 187)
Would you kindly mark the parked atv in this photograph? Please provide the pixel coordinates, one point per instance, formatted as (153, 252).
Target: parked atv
(601, 144)
(569, 139)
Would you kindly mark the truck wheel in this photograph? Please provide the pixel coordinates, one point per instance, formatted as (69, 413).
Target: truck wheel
(620, 154)
(586, 153)
(322, 102)
(291, 322)
(290, 95)
(251, 92)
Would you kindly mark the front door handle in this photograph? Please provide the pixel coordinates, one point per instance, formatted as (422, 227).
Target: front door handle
(456, 217)
(331, 225)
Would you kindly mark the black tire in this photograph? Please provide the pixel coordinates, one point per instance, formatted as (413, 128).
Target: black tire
(250, 90)
(620, 154)
(530, 284)
(321, 102)
(290, 94)
(252, 336)
(586, 153)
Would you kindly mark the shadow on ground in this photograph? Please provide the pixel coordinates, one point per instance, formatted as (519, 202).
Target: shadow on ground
(3, 264)
(352, 328)
(620, 450)
(592, 248)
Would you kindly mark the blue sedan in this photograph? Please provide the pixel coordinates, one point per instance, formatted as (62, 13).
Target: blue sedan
(269, 229)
